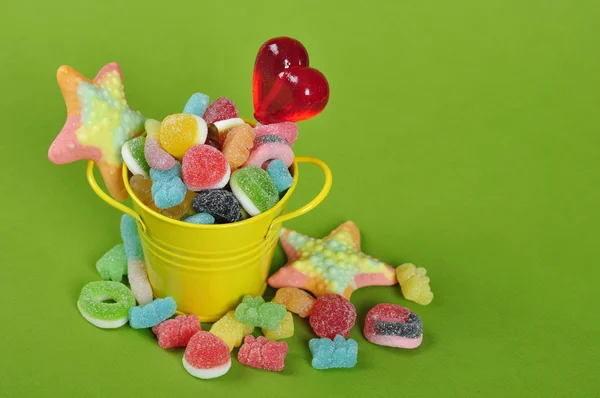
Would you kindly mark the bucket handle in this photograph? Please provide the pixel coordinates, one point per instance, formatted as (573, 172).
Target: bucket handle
(105, 197)
(317, 199)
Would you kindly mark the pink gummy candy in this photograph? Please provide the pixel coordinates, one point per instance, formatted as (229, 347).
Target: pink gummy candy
(286, 130)
(265, 150)
(157, 157)
(263, 354)
(176, 332)
(221, 109)
(332, 314)
(393, 325)
(205, 167)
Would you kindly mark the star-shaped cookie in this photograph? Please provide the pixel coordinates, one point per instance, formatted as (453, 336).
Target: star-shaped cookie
(99, 122)
(334, 264)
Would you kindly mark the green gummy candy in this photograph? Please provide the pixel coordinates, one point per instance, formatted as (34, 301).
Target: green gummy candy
(255, 312)
(134, 157)
(92, 306)
(270, 315)
(254, 189)
(113, 264)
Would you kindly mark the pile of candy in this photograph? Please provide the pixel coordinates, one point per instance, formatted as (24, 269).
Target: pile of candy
(210, 166)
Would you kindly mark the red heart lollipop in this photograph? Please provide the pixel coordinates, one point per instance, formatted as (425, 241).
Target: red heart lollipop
(284, 87)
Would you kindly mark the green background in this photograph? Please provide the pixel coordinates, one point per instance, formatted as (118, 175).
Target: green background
(463, 136)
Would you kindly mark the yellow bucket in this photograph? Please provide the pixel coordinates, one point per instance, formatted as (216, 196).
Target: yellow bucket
(208, 268)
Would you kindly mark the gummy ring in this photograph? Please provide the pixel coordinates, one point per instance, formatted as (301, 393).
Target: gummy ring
(270, 149)
(101, 314)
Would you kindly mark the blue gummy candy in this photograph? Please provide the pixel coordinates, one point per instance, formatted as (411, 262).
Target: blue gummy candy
(200, 218)
(167, 194)
(197, 104)
(152, 314)
(280, 175)
(131, 238)
(166, 175)
(338, 353)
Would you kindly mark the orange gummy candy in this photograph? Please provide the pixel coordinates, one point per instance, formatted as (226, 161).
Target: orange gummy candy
(237, 145)
(142, 188)
(295, 300)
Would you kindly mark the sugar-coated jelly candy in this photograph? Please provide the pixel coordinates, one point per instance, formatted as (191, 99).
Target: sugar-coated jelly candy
(167, 192)
(152, 128)
(113, 264)
(206, 356)
(223, 126)
(222, 108)
(133, 156)
(286, 130)
(332, 314)
(394, 326)
(151, 314)
(180, 132)
(197, 104)
(280, 175)
(283, 331)
(96, 310)
(176, 332)
(237, 145)
(142, 189)
(336, 353)
(205, 167)
(157, 157)
(138, 280)
(284, 87)
(263, 354)
(414, 283)
(131, 237)
(230, 330)
(178, 211)
(254, 189)
(270, 147)
(220, 204)
(295, 300)
(255, 312)
(200, 218)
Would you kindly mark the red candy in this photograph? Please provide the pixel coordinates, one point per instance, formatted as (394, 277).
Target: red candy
(176, 332)
(204, 167)
(206, 351)
(263, 354)
(332, 314)
(284, 87)
(221, 109)
(286, 130)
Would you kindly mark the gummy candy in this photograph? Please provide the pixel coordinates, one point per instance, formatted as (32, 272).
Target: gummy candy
(206, 356)
(131, 237)
(254, 189)
(152, 314)
(230, 330)
(223, 126)
(168, 189)
(394, 326)
(200, 218)
(176, 332)
(237, 145)
(338, 353)
(332, 314)
(138, 281)
(180, 132)
(262, 354)
(414, 283)
(333, 264)
(176, 212)
(222, 108)
(157, 157)
(280, 175)
(205, 167)
(113, 264)
(197, 104)
(94, 308)
(283, 331)
(284, 87)
(295, 300)
(134, 157)
(255, 312)
(286, 130)
(152, 128)
(99, 122)
(269, 147)
(219, 203)
(142, 189)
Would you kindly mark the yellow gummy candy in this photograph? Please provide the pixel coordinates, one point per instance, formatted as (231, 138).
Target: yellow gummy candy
(283, 331)
(414, 283)
(180, 132)
(230, 330)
